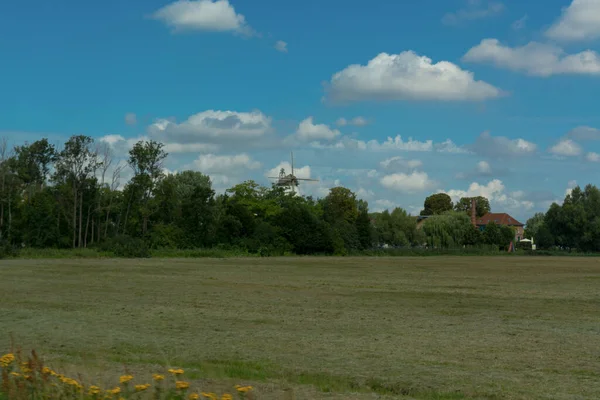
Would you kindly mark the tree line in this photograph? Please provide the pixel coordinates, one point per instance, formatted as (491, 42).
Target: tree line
(72, 197)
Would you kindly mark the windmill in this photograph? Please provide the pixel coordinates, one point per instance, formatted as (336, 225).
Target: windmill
(289, 180)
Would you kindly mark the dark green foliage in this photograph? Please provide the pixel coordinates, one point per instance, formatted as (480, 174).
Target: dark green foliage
(126, 246)
(8, 250)
(482, 206)
(437, 204)
(83, 206)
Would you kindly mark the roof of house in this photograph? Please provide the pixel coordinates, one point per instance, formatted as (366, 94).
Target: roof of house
(498, 218)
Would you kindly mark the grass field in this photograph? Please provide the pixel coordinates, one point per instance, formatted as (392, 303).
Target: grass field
(352, 328)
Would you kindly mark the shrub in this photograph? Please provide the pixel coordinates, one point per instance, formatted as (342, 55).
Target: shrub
(8, 250)
(126, 247)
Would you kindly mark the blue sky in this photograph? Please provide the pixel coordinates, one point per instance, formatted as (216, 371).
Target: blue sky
(477, 97)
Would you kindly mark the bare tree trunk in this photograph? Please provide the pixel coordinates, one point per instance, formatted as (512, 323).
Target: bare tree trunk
(87, 225)
(80, 217)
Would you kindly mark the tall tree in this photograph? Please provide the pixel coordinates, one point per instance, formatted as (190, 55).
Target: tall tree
(76, 164)
(146, 160)
(482, 205)
(437, 204)
(533, 225)
(363, 225)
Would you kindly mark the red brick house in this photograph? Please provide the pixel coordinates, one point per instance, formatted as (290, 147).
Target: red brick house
(502, 219)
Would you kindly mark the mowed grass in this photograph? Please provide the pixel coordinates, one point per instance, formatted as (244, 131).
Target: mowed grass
(425, 328)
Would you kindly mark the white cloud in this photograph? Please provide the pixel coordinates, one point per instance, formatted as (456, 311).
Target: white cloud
(473, 11)
(212, 126)
(483, 167)
(395, 143)
(281, 46)
(130, 119)
(398, 162)
(364, 194)
(382, 205)
(566, 147)
(120, 144)
(356, 121)
(410, 183)
(520, 23)
(584, 133)
(308, 131)
(536, 59)
(407, 76)
(579, 21)
(173, 148)
(448, 146)
(494, 191)
(592, 157)
(203, 15)
(500, 146)
(225, 164)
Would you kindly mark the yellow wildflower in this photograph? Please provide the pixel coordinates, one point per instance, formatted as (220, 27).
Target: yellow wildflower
(125, 378)
(6, 360)
(116, 390)
(194, 396)
(176, 371)
(47, 371)
(141, 388)
(243, 389)
(181, 385)
(210, 396)
(158, 377)
(227, 396)
(15, 374)
(93, 390)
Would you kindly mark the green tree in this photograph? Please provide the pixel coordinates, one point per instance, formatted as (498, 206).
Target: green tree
(146, 160)
(75, 167)
(437, 204)
(363, 225)
(533, 225)
(447, 230)
(482, 206)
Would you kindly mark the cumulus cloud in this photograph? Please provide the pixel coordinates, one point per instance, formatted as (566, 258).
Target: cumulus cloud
(566, 147)
(535, 59)
(395, 143)
(400, 163)
(416, 181)
(474, 10)
(584, 133)
(281, 46)
(309, 131)
(495, 192)
(130, 119)
(212, 126)
(500, 146)
(203, 15)
(225, 164)
(407, 76)
(120, 144)
(579, 21)
(592, 157)
(356, 121)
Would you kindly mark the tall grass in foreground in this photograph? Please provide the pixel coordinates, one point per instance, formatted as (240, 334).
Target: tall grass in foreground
(31, 379)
